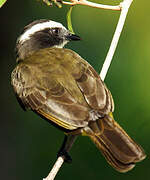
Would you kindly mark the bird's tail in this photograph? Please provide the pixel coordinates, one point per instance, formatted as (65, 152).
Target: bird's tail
(120, 151)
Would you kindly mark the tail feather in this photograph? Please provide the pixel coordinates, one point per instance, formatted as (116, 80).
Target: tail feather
(118, 148)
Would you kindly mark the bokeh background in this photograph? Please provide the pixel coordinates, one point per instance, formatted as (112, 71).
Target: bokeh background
(28, 144)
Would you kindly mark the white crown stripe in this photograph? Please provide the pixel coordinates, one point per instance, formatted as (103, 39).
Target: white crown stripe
(38, 27)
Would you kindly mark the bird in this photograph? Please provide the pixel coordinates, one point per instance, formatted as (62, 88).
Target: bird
(63, 88)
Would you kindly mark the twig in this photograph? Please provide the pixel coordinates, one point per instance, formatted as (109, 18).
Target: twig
(91, 4)
(124, 6)
(55, 168)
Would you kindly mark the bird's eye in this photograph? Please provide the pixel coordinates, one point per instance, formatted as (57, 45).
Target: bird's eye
(55, 31)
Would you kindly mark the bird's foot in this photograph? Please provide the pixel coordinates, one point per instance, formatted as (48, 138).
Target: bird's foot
(67, 158)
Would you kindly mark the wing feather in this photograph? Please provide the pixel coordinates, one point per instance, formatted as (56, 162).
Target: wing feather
(63, 89)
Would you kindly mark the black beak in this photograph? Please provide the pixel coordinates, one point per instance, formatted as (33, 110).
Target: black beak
(73, 37)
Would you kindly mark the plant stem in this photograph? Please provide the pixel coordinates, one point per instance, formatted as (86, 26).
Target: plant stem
(125, 6)
(92, 4)
(55, 168)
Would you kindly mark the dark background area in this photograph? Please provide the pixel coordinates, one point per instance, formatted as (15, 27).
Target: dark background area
(28, 144)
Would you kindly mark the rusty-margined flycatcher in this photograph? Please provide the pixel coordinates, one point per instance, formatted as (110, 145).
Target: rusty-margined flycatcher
(64, 89)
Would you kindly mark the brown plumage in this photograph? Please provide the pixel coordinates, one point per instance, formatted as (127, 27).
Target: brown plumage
(63, 88)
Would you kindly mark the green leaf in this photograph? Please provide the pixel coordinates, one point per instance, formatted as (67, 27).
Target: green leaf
(69, 20)
(2, 2)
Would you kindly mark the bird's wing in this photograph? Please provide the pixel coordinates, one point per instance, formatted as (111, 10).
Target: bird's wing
(95, 91)
(63, 92)
(49, 98)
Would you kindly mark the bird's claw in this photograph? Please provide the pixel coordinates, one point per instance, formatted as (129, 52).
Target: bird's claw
(67, 158)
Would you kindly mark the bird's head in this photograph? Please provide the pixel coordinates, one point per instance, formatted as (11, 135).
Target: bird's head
(42, 34)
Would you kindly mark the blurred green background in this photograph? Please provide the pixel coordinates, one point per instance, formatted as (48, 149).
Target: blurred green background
(29, 144)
